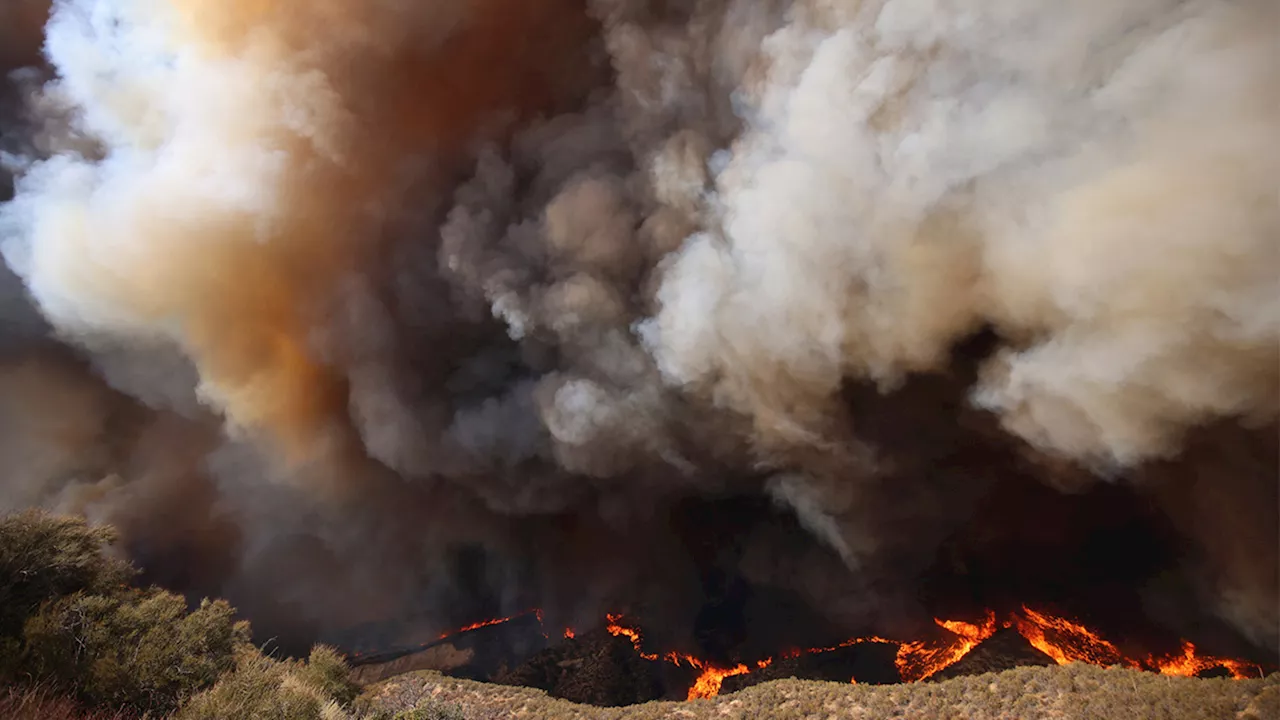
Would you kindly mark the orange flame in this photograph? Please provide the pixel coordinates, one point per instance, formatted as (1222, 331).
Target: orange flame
(1188, 664)
(476, 626)
(1063, 640)
(711, 677)
(918, 660)
(1066, 641)
(708, 683)
(537, 612)
(616, 629)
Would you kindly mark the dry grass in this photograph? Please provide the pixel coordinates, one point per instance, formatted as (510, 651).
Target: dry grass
(1071, 692)
(42, 703)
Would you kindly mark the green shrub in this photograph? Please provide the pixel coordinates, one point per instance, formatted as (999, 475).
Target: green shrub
(45, 557)
(261, 687)
(327, 671)
(258, 689)
(74, 635)
(138, 649)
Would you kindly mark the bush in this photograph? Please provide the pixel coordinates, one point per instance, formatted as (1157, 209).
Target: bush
(139, 650)
(43, 557)
(74, 634)
(257, 689)
(328, 672)
(262, 688)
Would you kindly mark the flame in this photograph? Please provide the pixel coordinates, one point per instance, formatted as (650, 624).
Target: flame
(617, 629)
(1188, 664)
(478, 625)
(536, 612)
(918, 660)
(708, 683)
(710, 677)
(1066, 641)
(1063, 640)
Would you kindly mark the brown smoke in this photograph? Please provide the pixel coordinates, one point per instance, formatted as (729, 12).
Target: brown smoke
(364, 287)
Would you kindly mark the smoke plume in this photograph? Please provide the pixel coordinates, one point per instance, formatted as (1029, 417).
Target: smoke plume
(450, 304)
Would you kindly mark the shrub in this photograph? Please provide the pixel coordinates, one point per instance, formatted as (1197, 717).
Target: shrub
(258, 689)
(74, 634)
(138, 649)
(261, 687)
(328, 672)
(44, 557)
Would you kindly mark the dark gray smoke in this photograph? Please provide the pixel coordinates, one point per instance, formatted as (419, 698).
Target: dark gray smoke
(402, 311)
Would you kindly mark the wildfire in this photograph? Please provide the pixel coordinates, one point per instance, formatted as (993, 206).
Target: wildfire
(1074, 642)
(918, 660)
(708, 683)
(1188, 664)
(1066, 642)
(710, 678)
(1063, 640)
(617, 629)
(482, 623)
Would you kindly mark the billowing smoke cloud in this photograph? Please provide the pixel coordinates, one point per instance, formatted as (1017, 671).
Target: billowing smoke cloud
(361, 287)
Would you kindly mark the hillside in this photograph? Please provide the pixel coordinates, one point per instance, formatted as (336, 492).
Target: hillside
(1068, 692)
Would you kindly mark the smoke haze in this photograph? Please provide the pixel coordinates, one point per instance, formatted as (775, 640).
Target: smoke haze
(409, 312)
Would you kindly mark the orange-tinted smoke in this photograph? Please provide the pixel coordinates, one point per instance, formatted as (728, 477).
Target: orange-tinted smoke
(309, 110)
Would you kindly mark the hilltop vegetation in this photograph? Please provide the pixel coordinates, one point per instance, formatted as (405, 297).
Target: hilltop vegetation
(79, 641)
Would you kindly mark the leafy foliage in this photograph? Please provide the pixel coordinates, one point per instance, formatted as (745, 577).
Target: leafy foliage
(76, 635)
(44, 557)
(139, 650)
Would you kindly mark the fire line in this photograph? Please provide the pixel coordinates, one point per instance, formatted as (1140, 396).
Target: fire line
(1063, 640)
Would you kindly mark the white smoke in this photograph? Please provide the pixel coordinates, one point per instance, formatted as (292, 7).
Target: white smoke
(1094, 181)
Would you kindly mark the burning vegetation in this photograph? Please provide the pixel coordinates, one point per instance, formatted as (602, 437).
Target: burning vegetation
(1062, 640)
